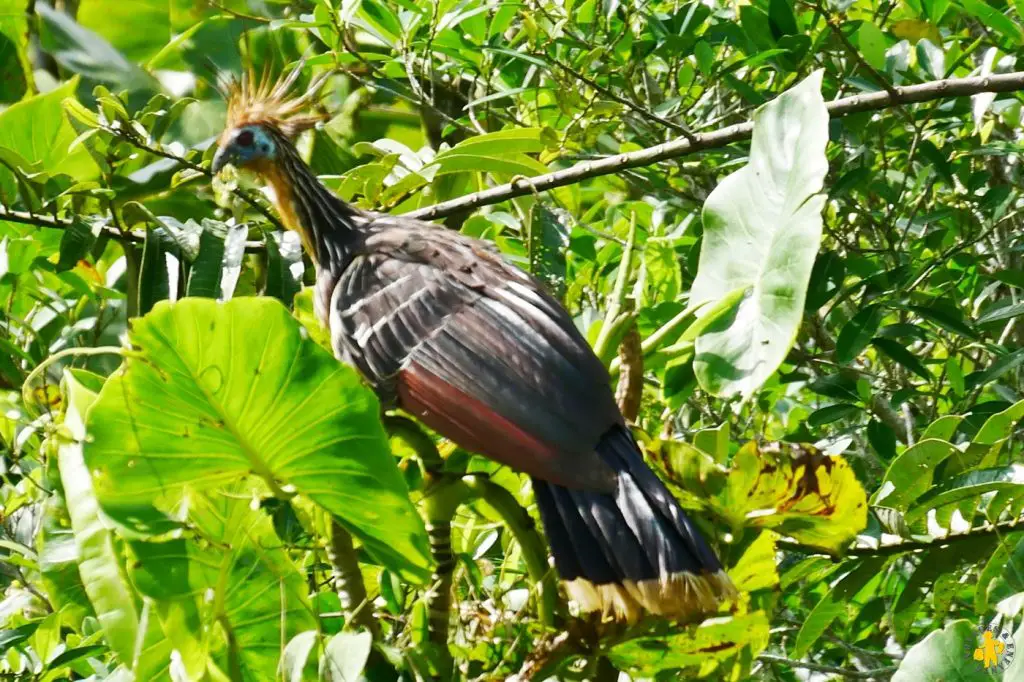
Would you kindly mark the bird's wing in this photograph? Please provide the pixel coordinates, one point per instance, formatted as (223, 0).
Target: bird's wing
(475, 349)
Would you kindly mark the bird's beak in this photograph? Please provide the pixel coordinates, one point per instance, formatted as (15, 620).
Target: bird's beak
(222, 158)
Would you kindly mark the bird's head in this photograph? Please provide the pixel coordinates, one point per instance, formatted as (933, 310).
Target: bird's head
(262, 119)
(247, 146)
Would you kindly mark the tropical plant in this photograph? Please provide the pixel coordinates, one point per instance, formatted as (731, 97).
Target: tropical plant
(791, 229)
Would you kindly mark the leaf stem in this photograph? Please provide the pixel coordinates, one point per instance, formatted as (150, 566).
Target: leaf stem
(616, 318)
(440, 504)
(416, 438)
(348, 580)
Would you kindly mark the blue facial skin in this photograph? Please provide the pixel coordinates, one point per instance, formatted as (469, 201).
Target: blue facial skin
(246, 144)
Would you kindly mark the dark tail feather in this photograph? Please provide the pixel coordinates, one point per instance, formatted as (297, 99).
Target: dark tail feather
(631, 551)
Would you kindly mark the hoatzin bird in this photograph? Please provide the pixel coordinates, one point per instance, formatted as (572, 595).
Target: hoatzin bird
(443, 328)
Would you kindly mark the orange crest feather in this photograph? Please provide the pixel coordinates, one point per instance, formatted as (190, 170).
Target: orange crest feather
(269, 102)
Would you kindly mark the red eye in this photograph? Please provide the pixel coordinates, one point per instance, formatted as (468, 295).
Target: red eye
(244, 138)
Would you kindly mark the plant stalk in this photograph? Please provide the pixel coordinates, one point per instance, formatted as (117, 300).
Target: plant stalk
(348, 580)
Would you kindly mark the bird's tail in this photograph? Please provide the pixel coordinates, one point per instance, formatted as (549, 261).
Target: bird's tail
(631, 551)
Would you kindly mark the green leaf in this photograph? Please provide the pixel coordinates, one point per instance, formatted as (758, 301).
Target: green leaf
(101, 564)
(873, 44)
(154, 282)
(1001, 366)
(943, 428)
(546, 243)
(781, 18)
(1005, 312)
(756, 569)
(762, 228)
(15, 67)
(937, 561)
(858, 332)
(345, 656)
(882, 439)
(910, 474)
(501, 143)
(970, 485)
(51, 135)
(138, 29)
(17, 255)
(239, 589)
(898, 353)
(835, 602)
(717, 639)
(946, 317)
(220, 255)
(988, 442)
(1008, 556)
(827, 415)
(511, 165)
(714, 442)
(75, 244)
(931, 58)
(991, 17)
(83, 52)
(942, 656)
(705, 57)
(663, 279)
(234, 388)
(204, 278)
(284, 266)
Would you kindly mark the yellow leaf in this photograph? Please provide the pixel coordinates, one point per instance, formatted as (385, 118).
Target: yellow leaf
(915, 29)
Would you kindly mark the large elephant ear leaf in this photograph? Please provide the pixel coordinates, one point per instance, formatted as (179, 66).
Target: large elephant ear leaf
(214, 392)
(762, 229)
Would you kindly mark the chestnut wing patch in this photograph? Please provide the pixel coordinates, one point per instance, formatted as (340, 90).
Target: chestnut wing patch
(477, 351)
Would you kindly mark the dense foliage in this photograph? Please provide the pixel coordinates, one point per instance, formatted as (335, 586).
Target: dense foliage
(816, 332)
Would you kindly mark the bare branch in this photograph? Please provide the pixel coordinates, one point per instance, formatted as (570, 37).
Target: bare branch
(941, 89)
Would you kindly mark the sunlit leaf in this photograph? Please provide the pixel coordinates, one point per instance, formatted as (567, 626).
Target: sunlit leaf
(233, 388)
(798, 492)
(944, 655)
(101, 563)
(762, 227)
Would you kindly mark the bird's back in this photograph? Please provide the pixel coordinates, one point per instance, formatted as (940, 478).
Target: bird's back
(441, 326)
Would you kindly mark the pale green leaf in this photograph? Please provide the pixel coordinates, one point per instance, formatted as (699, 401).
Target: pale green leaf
(762, 227)
(944, 655)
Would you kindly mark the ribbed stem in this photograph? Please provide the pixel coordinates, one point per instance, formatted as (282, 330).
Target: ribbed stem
(439, 598)
(348, 580)
(440, 504)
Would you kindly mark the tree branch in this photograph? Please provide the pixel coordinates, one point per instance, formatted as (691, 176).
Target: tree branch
(134, 237)
(940, 89)
(910, 545)
(817, 667)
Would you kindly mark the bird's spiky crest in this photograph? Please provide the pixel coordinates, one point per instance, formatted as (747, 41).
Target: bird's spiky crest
(270, 102)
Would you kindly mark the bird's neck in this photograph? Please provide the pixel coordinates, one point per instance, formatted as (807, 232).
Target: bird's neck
(325, 222)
